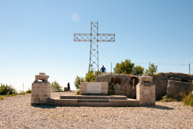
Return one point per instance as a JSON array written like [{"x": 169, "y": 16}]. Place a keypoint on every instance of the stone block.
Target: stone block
[
  {"x": 37, "y": 91},
  {"x": 145, "y": 79},
  {"x": 43, "y": 95},
  {"x": 46, "y": 91},
  {"x": 35, "y": 100},
  {"x": 94, "y": 87},
  {"x": 35, "y": 95},
  {"x": 73, "y": 102},
  {"x": 145, "y": 92},
  {"x": 43, "y": 100},
  {"x": 178, "y": 89},
  {"x": 42, "y": 76}
]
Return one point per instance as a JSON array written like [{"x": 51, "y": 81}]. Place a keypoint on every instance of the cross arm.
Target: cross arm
[
  {"x": 82, "y": 37},
  {"x": 106, "y": 37}
]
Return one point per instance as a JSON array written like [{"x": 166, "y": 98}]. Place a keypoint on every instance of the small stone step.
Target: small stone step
[
  {"x": 94, "y": 104},
  {"x": 93, "y": 100},
  {"x": 94, "y": 97}
]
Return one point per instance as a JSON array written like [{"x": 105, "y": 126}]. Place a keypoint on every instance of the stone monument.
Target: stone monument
[
  {"x": 40, "y": 89},
  {"x": 146, "y": 91}
]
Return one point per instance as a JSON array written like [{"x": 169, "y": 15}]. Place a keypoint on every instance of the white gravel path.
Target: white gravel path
[{"x": 17, "y": 113}]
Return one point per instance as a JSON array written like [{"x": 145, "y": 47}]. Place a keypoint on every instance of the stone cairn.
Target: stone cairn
[
  {"x": 146, "y": 91},
  {"x": 40, "y": 89}
]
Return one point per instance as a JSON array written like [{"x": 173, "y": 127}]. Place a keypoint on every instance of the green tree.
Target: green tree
[
  {"x": 55, "y": 86},
  {"x": 77, "y": 81},
  {"x": 91, "y": 76},
  {"x": 138, "y": 70},
  {"x": 125, "y": 67},
  {"x": 152, "y": 70}
]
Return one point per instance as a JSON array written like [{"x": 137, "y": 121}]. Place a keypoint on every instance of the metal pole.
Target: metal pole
[
  {"x": 189, "y": 68},
  {"x": 90, "y": 67},
  {"x": 23, "y": 87},
  {"x": 111, "y": 67}
]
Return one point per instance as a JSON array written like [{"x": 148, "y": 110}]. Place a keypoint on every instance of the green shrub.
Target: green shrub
[
  {"x": 78, "y": 92},
  {"x": 91, "y": 76},
  {"x": 188, "y": 100},
  {"x": 28, "y": 91},
  {"x": 166, "y": 99},
  {"x": 11, "y": 95},
  {"x": 2, "y": 98},
  {"x": 22, "y": 93},
  {"x": 77, "y": 81},
  {"x": 55, "y": 86},
  {"x": 7, "y": 89}
]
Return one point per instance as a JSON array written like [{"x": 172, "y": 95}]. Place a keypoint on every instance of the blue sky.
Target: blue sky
[{"x": 37, "y": 36}]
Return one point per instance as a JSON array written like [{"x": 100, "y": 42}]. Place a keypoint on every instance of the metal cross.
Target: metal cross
[{"x": 94, "y": 37}]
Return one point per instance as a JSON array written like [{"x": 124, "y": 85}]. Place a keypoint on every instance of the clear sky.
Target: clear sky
[{"x": 37, "y": 36}]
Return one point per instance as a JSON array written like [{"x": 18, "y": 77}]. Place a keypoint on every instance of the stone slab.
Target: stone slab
[
  {"x": 96, "y": 101},
  {"x": 93, "y": 88}
]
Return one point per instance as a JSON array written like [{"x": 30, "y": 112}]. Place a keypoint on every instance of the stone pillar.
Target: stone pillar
[
  {"x": 40, "y": 90},
  {"x": 145, "y": 91}
]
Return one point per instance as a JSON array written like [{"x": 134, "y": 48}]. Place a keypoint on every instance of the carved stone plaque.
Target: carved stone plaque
[{"x": 94, "y": 88}]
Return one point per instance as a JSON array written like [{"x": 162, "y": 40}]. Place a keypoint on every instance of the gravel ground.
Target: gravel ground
[{"x": 16, "y": 112}]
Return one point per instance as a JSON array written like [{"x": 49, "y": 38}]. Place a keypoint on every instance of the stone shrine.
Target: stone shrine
[{"x": 93, "y": 94}]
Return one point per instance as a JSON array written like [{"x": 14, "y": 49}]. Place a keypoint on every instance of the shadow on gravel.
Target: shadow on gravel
[
  {"x": 161, "y": 107},
  {"x": 43, "y": 106}
]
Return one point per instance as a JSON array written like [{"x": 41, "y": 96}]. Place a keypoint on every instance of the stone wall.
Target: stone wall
[
  {"x": 163, "y": 83},
  {"x": 120, "y": 84},
  {"x": 178, "y": 89},
  {"x": 160, "y": 81}
]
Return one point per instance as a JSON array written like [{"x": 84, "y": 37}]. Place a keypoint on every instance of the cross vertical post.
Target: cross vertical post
[{"x": 94, "y": 37}]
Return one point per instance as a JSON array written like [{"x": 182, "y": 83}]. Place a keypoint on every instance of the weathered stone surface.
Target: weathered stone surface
[
  {"x": 161, "y": 82},
  {"x": 42, "y": 76},
  {"x": 175, "y": 78},
  {"x": 120, "y": 84},
  {"x": 94, "y": 87},
  {"x": 146, "y": 91},
  {"x": 178, "y": 89},
  {"x": 145, "y": 79},
  {"x": 184, "y": 77},
  {"x": 40, "y": 90}
]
